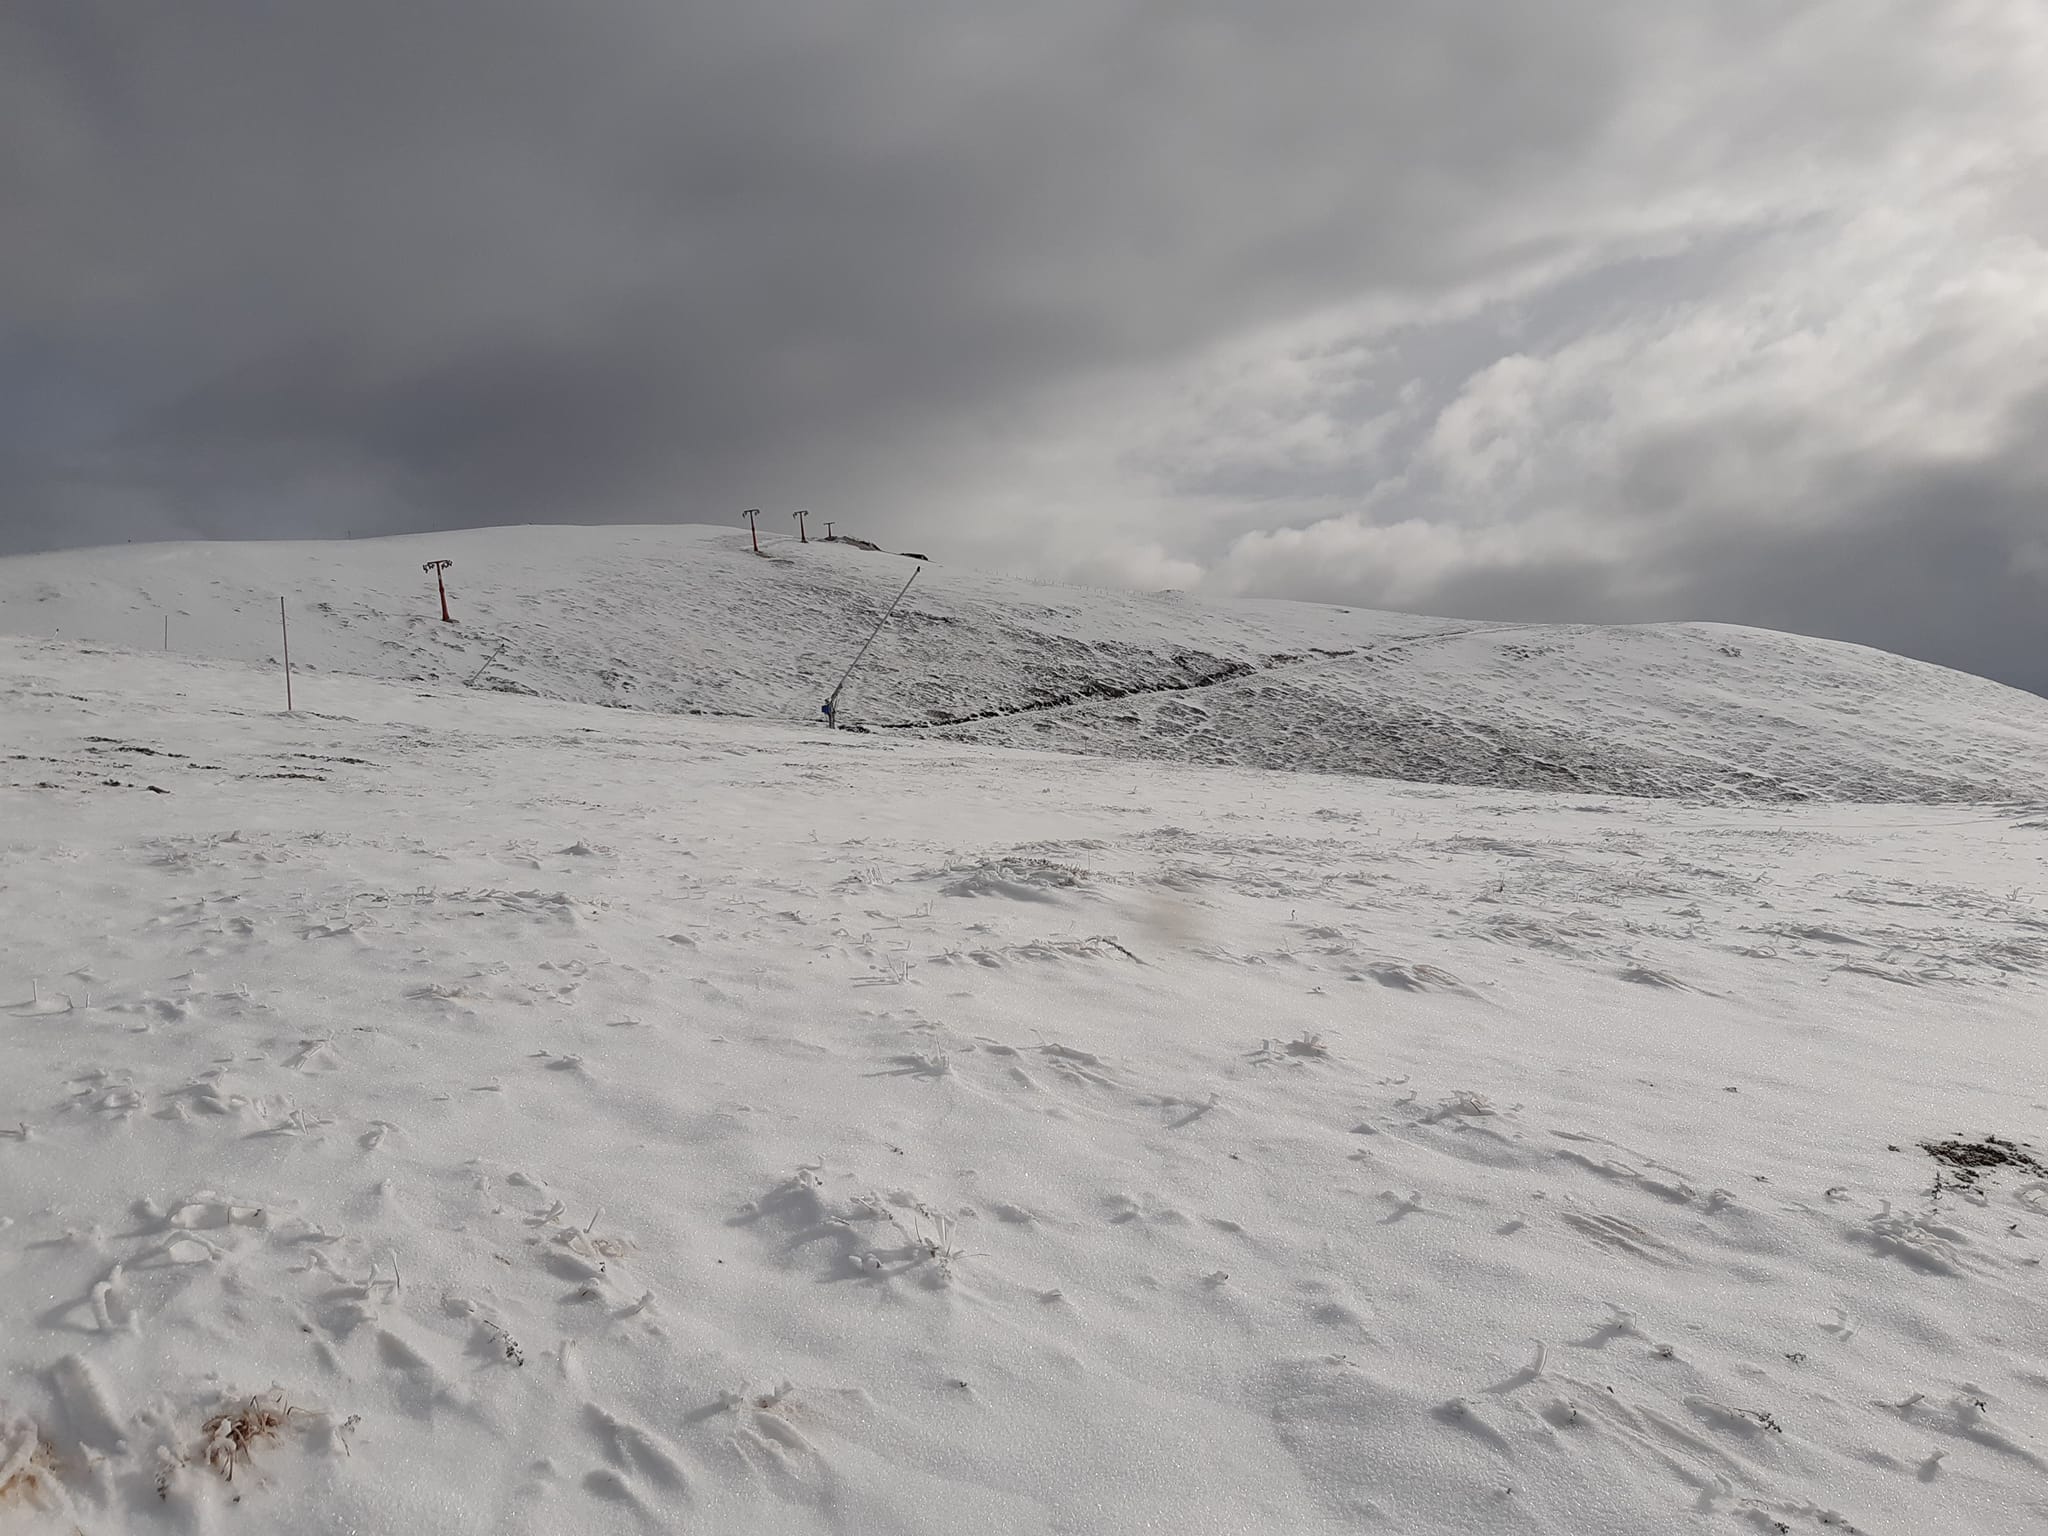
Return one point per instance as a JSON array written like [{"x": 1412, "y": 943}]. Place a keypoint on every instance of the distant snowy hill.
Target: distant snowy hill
[{"x": 689, "y": 620}]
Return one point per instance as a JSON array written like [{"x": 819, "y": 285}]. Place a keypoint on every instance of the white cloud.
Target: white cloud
[{"x": 1740, "y": 357}]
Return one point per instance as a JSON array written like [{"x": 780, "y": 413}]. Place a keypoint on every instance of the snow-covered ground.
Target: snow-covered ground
[
  {"x": 532, "y": 1117},
  {"x": 688, "y": 619}
]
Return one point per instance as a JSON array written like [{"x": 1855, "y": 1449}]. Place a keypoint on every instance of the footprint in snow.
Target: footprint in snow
[{"x": 631, "y": 1448}]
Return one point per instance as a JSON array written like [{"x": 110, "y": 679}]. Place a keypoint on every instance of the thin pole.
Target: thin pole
[
  {"x": 167, "y": 631},
  {"x": 480, "y": 671},
  {"x": 832, "y": 700},
  {"x": 750, "y": 514},
  {"x": 281, "y": 624}
]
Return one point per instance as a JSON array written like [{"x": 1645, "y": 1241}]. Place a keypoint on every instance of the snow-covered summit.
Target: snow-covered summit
[{"x": 689, "y": 620}]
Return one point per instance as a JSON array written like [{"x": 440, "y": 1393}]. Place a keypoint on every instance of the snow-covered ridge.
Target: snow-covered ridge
[{"x": 689, "y": 620}]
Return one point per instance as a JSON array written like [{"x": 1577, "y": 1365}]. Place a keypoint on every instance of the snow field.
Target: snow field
[{"x": 609, "y": 1121}]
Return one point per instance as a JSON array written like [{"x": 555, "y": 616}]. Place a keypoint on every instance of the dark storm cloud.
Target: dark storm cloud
[
  {"x": 293, "y": 268},
  {"x": 1945, "y": 561},
  {"x": 525, "y": 260}
]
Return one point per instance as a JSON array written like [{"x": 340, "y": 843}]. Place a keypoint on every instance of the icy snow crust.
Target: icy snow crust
[
  {"x": 688, "y": 620},
  {"x": 453, "y": 1110}
]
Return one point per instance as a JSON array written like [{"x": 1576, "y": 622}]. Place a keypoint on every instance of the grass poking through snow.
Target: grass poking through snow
[{"x": 230, "y": 1439}]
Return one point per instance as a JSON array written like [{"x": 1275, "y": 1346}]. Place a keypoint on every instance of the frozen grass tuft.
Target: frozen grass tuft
[
  {"x": 28, "y": 1466},
  {"x": 230, "y": 1439}
]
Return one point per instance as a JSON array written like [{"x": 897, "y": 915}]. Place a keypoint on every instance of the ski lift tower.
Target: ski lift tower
[{"x": 437, "y": 567}]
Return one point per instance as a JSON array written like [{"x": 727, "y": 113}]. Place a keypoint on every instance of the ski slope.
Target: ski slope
[{"x": 689, "y": 620}]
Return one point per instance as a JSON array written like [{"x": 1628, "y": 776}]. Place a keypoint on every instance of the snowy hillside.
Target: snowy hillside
[
  {"x": 689, "y": 620},
  {"x": 446, "y": 1111}
]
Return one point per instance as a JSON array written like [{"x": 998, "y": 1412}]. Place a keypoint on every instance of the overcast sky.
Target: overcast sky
[{"x": 1576, "y": 309}]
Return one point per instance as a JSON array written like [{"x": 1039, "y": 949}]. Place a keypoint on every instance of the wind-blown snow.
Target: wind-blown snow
[
  {"x": 588, "y": 1120},
  {"x": 687, "y": 619}
]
